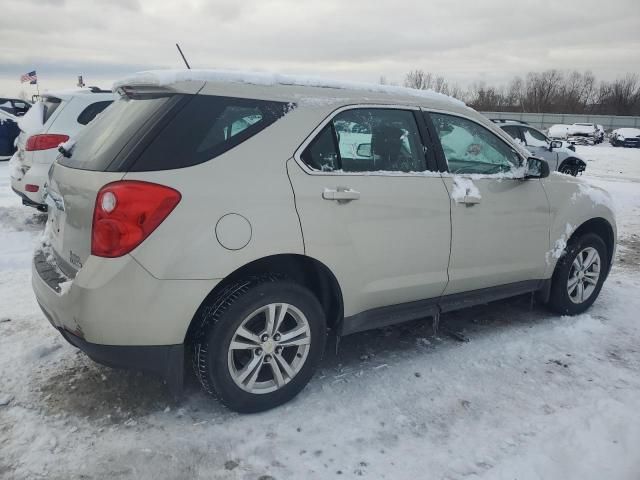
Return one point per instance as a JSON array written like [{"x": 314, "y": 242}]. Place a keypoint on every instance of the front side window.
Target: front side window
[
  {"x": 471, "y": 148},
  {"x": 534, "y": 138},
  {"x": 368, "y": 140}
]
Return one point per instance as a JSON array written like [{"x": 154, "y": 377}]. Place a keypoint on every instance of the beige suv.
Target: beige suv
[{"x": 237, "y": 218}]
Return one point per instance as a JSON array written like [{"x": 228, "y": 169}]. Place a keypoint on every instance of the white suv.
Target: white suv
[
  {"x": 50, "y": 122},
  {"x": 237, "y": 218}
]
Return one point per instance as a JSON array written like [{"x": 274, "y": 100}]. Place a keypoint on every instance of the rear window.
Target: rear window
[
  {"x": 91, "y": 111},
  {"x": 163, "y": 132},
  {"x": 99, "y": 144},
  {"x": 51, "y": 104}
]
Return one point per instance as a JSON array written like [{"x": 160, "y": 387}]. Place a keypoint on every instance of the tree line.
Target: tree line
[{"x": 551, "y": 91}]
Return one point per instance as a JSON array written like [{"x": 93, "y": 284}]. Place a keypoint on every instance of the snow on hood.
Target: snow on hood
[
  {"x": 162, "y": 78},
  {"x": 31, "y": 122}
]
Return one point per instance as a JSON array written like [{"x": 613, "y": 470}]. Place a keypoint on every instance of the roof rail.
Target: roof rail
[{"x": 98, "y": 90}]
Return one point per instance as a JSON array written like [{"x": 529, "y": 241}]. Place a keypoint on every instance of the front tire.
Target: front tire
[
  {"x": 259, "y": 343},
  {"x": 568, "y": 169},
  {"x": 579, "y": 275}
]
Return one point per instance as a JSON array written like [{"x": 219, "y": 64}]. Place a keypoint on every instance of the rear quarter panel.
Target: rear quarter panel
[{"x": 250, "y": 180}]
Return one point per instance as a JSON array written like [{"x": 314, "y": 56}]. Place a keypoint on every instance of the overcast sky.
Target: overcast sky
[{"x": 467, "y": 41}]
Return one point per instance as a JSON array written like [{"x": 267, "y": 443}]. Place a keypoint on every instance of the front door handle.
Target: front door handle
[
  {"x": 470, "y": 200},
  {"x": 340, "y": 194}
]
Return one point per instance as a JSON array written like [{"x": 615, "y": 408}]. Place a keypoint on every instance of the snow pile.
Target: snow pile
[
  {"x": 463, "y": 187},
  {"x": 162, "y": 78},
  {"x": 31, "y": 122},
  {"x": 560, "y": 245}
]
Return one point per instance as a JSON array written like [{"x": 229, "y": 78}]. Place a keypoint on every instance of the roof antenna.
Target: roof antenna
[{"x": 182, "y": 55}]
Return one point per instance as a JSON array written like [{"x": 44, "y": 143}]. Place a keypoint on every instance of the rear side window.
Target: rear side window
[
  {"x": 368, "y": 140},
  {"x": 51, "y": 104},
  {"x": 206, "y": 127},
  {"x": 91, "y": 111},
  {"x": 513, "y": 131}
]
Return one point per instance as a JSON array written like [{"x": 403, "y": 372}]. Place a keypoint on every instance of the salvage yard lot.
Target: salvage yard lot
[{"x": 532, "y": 395}]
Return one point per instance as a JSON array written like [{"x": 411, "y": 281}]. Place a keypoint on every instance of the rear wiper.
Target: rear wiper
[{"x": 66, "y": 148}]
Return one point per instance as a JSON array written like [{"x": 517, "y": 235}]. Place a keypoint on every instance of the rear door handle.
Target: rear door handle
[{"x": 340, "y": 194}]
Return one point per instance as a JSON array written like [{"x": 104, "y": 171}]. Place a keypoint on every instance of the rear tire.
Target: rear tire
[
  {"x": 245, "y": 361},
  {"x": 579, "y": 275}
]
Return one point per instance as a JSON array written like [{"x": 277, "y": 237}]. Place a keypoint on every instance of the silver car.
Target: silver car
[
  {"x": 233, "y": 219},
  {"x": 559, "y": 156}
]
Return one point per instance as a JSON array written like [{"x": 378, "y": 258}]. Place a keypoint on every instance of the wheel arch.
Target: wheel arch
[
  {"x": 598, "y": 225},
  {"x": 603, "y": 229},
  {"x": 302, "y": 269},
  {"x": 573, "y": 161}
]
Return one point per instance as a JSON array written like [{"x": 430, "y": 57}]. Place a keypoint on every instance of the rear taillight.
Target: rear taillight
[
  {"x": 30, "y": 187},
  {"x": 126, "y": 212},
  {"x": 45, "y": 141}
]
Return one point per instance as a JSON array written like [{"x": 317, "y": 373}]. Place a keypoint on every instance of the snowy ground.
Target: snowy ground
[{"x": 531, "y": 396}]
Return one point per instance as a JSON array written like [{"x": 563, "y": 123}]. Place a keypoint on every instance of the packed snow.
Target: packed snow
[
  {"x": 531, "y": 396},
  {"x": 463, "y": 187},
  {"x": 167, "y": 77}
]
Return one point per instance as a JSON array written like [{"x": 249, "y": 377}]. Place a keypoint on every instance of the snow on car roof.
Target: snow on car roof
[
  {"x": 161, "y": 78},
  {"x": 628, "y": 131}
]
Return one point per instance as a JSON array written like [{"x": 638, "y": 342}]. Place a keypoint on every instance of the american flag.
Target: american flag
[{"x": 30, "y": 77}]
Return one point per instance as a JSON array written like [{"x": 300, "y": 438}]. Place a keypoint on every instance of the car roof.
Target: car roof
[{"x": 275, "y": 86}]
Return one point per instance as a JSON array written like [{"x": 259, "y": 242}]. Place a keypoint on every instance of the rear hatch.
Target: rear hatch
[{"x": 98, "y": 156}]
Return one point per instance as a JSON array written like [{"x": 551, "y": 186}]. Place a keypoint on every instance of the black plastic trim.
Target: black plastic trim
[
  {"x": 27, "y": 202},
  {"x": 390, "y": 315},
  {"x": 166, "y": 361}
]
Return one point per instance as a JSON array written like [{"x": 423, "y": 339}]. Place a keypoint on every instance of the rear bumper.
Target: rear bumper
[
  {"x": 116, "y": 302},
  {"x": 166, "y": 361},
  {"x": 36, "y": 175},
  {"x": 26, "y": 201}
]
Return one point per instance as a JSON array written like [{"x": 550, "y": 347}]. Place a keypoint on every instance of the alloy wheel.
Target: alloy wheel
[
  {"x": 584, "y": 275},
  {"x": 269, "y": 348}
]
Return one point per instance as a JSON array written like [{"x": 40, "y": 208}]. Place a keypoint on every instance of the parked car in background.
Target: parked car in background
[
  {"x": 53, "y": 120},
  {"x": 625, "y": 137},
  {"x": 8, "y": 133},
  {"x": 219, "y": 215},
  {"x": 559, "y": 132},
  {"x": 15, "y": 106},
  {"x": 583, "y": 134},
  {"x": 559, "y": 156},
  {"x": 600, "y": 133}
]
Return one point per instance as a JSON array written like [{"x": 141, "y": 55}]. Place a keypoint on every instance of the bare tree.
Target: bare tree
[{"x": 551, "y": 91}]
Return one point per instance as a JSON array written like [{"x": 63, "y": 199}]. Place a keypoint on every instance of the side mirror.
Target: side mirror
[
  {"x": 364, "y": 150},
  {"x": 555, "y": 144},
  {"x": 537, "y": 168}
]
